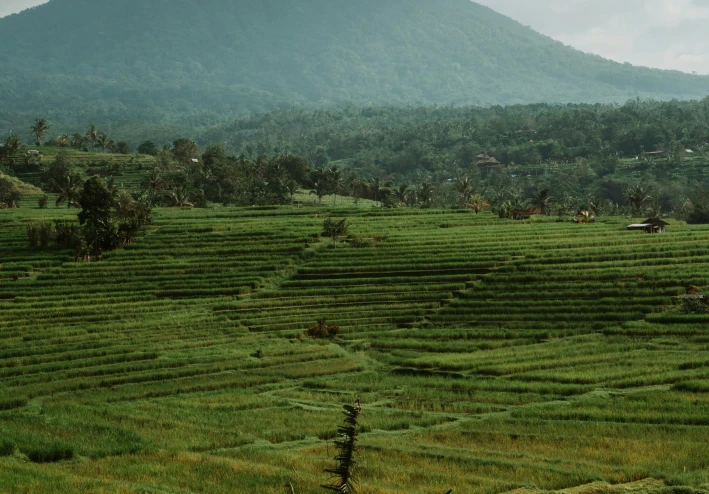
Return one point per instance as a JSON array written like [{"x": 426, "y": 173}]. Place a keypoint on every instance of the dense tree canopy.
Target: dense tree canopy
[{"x": 161, "y": 68}]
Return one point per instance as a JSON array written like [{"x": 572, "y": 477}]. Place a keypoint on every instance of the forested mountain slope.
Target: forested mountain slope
[{"x": 185, "y": 63}]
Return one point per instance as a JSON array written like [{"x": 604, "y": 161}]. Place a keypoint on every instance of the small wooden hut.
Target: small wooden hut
[{"x": 651, "y": 225}]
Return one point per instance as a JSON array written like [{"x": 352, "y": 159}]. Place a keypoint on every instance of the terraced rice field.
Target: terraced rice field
[
  {"x": 128, "y": 170},
  {"x": 489, "y": 355}
]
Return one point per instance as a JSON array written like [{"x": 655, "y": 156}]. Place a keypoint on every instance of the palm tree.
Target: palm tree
[
  {"x": 425, "y": 194},
  {"x": 78, "y": 141},
  {"x": 333, "y": 176},
  {"x": 153, "y": 185},
  {"x": 595, "y": 205},
  {"x": 13, "y": 145},
  {"x": 378, "y": 190},
  {"x": 320, "y": 188},
  {"x": 465, "y": 188},
  {"x": 352, "y": 184},
  {"x": 102, "y": 141},
  {"x": 542, "y": 200},
  {"x": 68, "y": 188},
  {"x": 180, "y": 194},
  {"x": 91, "y": 135},
  {"x": 125, "y": 203},
  {"x": 639, "y": 197},
  {"x": 39, "y": 129},
  {"x": 293, "y": 188},
  {"x": 402, "y": 194},
  {"x": 63, "y": 141},
  {"x": 112, "y": 186},
  {"x": 477, "y": 203}
]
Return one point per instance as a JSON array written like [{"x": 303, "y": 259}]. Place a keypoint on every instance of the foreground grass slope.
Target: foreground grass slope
[{"x": 490, "y": 355}]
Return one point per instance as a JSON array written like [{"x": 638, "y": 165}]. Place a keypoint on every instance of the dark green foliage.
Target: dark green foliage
[
  {"x": 123, "y": 148},
  {"x": 68, "y": 234},
  {"x": 39, "y": 130},
  {"x": 42, "y": 202},
  {"x": 12, "y": 403},
  {"x": 344, "y": 471},
  {"x": 41, "y": 234},
  {"x": 96, "y": 216},
  {"x": 149, "y": 148},
  {"x": 7, "y": 448},
  {"x": 148, "y": 72},
  {"x": 335, "y": 229},
  {"x": 10, "y": 148},
  {"x": 444, "y": 141},
  {"x": 9, "y": 195},
  {"x": 699, "y": 215},
  {"x": 695, "y": 305},
  {"x": 109, "y": 221},
  {"x": 50, "y": 452},
  {"x": 218, "y": 177},
  {"x": 543, "y": 201},
  {"x": 323, "y": 330},
  {"x": 184, "y": 151}
]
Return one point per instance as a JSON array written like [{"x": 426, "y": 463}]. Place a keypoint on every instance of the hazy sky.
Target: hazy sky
[{"x": 669, "y": 34}]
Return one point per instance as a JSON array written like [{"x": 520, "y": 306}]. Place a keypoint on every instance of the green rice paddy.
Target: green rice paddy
[{"x": 489, "y": 355}]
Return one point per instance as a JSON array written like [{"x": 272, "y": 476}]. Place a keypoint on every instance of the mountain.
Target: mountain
[{"x": 135, "y": 64}]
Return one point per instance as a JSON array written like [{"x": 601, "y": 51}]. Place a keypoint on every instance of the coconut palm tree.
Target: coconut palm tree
[
  {"x": 542, "y": 200},
  {"x": 320, "y": 188},
  {"x": 477, "y": 203},
  {"x": 39, "y": 129},
  {"x": 425, "y": 194},
  {"x": 402, "y": 194},
  {"x": 91, "y": 136},
  {"x": 180, "y": 194},
  {"x": 465, "y": 188},
  {"x": 69, "y": 188},
  {"x": 13, "y": 145},
  {"x": 639, "y": 197},
  {"x": 78, "y": 141},
  {"x": 152, "y": 186},
  {"x": 293, "y": 188},
  {"x": 63, "y": 141},
  {"x": 333, "y": 177},
  {"x": 378, "y": 190},
  {"x": 102, "y": 141}
]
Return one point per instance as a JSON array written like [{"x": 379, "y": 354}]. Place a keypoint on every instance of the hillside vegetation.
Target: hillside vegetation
[
  {"x": 489, "y": 354},
  {"x": 184, "y": 65}
]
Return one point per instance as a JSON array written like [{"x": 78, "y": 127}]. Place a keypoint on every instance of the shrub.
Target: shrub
[
  {"x": 7, "y": 447},
  {"x": 11, "y": 403},
  {"x": 359, "y": 243},
  {"x": 33, "y": 234},
  {"x": 41, "y": 234},
  {"x": 695, "y": 305},
  {"x": 43, "y": 202},
  {"x": 49, "y": 452},
  {"x": 323, "y": 331},
  {"x": 68, "y": 234}
]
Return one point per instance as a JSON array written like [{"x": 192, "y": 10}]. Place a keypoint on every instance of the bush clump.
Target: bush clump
[
  {"x": 695, "y": 304},
  {"x": 49, "y": 452},
  {"x": 41, "y": 234},
  {"x": 12, "y": 403},
  {"x": 7, "y": 448},
  {"x": 323, "y": 331}
]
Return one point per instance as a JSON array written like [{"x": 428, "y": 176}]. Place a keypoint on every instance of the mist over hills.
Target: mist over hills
[{"x": 165, "y": 65}]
